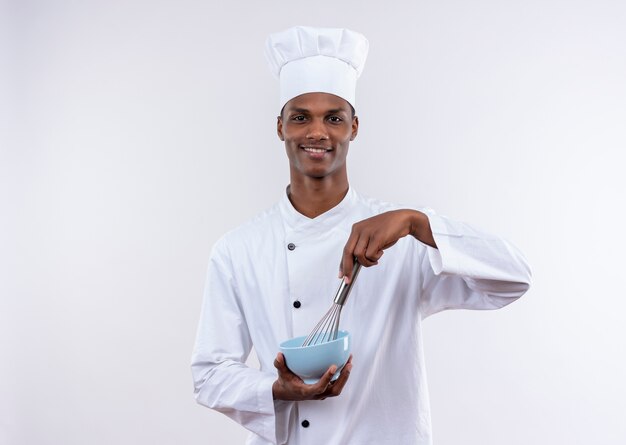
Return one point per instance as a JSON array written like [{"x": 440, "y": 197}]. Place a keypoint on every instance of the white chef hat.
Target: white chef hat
[{"x": 308, "y": 60}]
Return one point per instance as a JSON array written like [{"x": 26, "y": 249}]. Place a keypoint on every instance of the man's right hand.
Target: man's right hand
[{"x": 289, "y": 386}]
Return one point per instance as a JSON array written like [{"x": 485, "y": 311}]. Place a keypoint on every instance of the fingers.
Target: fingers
[
  {"x": 347, "y": 260},
  {"x": 361, "y": 246},
  {"x": 357, "y": 247},
  {"x": 280, "y": 365},
  {"x": 370, "y": 237},
  {"x": 279, "y": 360},
  {"x": 291, "y": 387},
  {"x": 334, "y": 388},
  {"x": 323, "y": 383},
  {"x": 338, "y": 385},
  {"x": 321, "y": 386},
  {"x": 361, "y": 249},
  {"x": 373, "y": 252}
]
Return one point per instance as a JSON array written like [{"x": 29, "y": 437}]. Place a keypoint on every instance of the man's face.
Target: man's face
[{"x": 317, "y": 129}]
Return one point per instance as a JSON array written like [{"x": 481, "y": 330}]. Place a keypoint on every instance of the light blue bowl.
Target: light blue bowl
[{"x": 311, "y": 362}]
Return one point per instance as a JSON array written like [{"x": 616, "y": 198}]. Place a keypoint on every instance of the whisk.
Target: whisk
[{"x": 328, "y": 327}]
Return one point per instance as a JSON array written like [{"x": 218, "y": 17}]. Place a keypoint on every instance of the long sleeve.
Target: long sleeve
[
  {"x": 222, "y": 381},
  {"x": 470, "y": 269}
]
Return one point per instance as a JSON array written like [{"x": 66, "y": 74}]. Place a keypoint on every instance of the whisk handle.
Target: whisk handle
[{"x": 344, "y": 288}]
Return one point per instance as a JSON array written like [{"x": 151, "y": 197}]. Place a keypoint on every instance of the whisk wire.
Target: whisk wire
[{"x": 327, "y": 329}]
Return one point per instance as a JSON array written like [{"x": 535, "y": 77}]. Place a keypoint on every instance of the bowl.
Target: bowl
[{"x": 311, "y": 362}]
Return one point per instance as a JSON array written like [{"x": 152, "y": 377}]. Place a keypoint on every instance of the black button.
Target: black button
[
  {"x": 291, "y": 246},
  {"x": 305, "y": 423},
  {"x": 297, "y": 304}
]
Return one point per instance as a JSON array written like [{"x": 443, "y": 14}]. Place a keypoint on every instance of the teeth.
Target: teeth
[{"x": 314, "y": 150}]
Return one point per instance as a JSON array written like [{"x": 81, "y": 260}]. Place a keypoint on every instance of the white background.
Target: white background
[{"x": 135, "y": 133}]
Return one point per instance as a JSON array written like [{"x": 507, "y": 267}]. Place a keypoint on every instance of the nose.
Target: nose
[{"x": 317, "y": 130}]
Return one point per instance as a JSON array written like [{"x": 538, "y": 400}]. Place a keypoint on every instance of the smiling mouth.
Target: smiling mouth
[{"x": 316, "y": 149}]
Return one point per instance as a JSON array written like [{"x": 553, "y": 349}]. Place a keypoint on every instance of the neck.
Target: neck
[{"x": 312, "y": 197}]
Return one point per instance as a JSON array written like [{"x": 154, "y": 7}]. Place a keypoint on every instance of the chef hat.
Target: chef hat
[{"x": 307, "y": 60}]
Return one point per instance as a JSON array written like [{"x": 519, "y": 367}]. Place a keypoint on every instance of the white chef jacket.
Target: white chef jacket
[{"x": 256, "y": 273}]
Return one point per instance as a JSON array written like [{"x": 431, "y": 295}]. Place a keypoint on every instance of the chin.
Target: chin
[
  {"x": 318, "y": 171},
  {"x": 316, "y": 175},
  {"x": 319, "y": 174}
]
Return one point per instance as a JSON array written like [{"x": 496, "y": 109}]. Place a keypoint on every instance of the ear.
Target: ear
[
  {"x": 279, "y": 128},
  {"x": 355, "y": 127}
]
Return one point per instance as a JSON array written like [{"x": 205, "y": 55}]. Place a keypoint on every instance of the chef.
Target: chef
[{"x": 274, "y": 277}]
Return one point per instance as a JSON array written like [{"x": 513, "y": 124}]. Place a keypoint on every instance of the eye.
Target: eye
[
  {"x": 335, "y": 119},
  {"x": 298, "y": 118}
]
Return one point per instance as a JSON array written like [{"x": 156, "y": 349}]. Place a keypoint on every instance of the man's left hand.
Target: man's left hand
[{"x": 370, "y": 237}]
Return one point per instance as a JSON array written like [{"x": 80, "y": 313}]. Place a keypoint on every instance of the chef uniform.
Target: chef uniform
[{"x": 274, "y": 277}]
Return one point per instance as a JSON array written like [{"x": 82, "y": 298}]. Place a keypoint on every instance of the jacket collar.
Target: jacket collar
[{"x": 296, "y": 221}]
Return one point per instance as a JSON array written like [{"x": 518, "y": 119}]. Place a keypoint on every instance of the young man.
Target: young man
[{"x": 273, "y": 278}]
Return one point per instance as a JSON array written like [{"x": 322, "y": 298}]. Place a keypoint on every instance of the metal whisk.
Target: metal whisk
[{"x": 328, "y": 327}]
